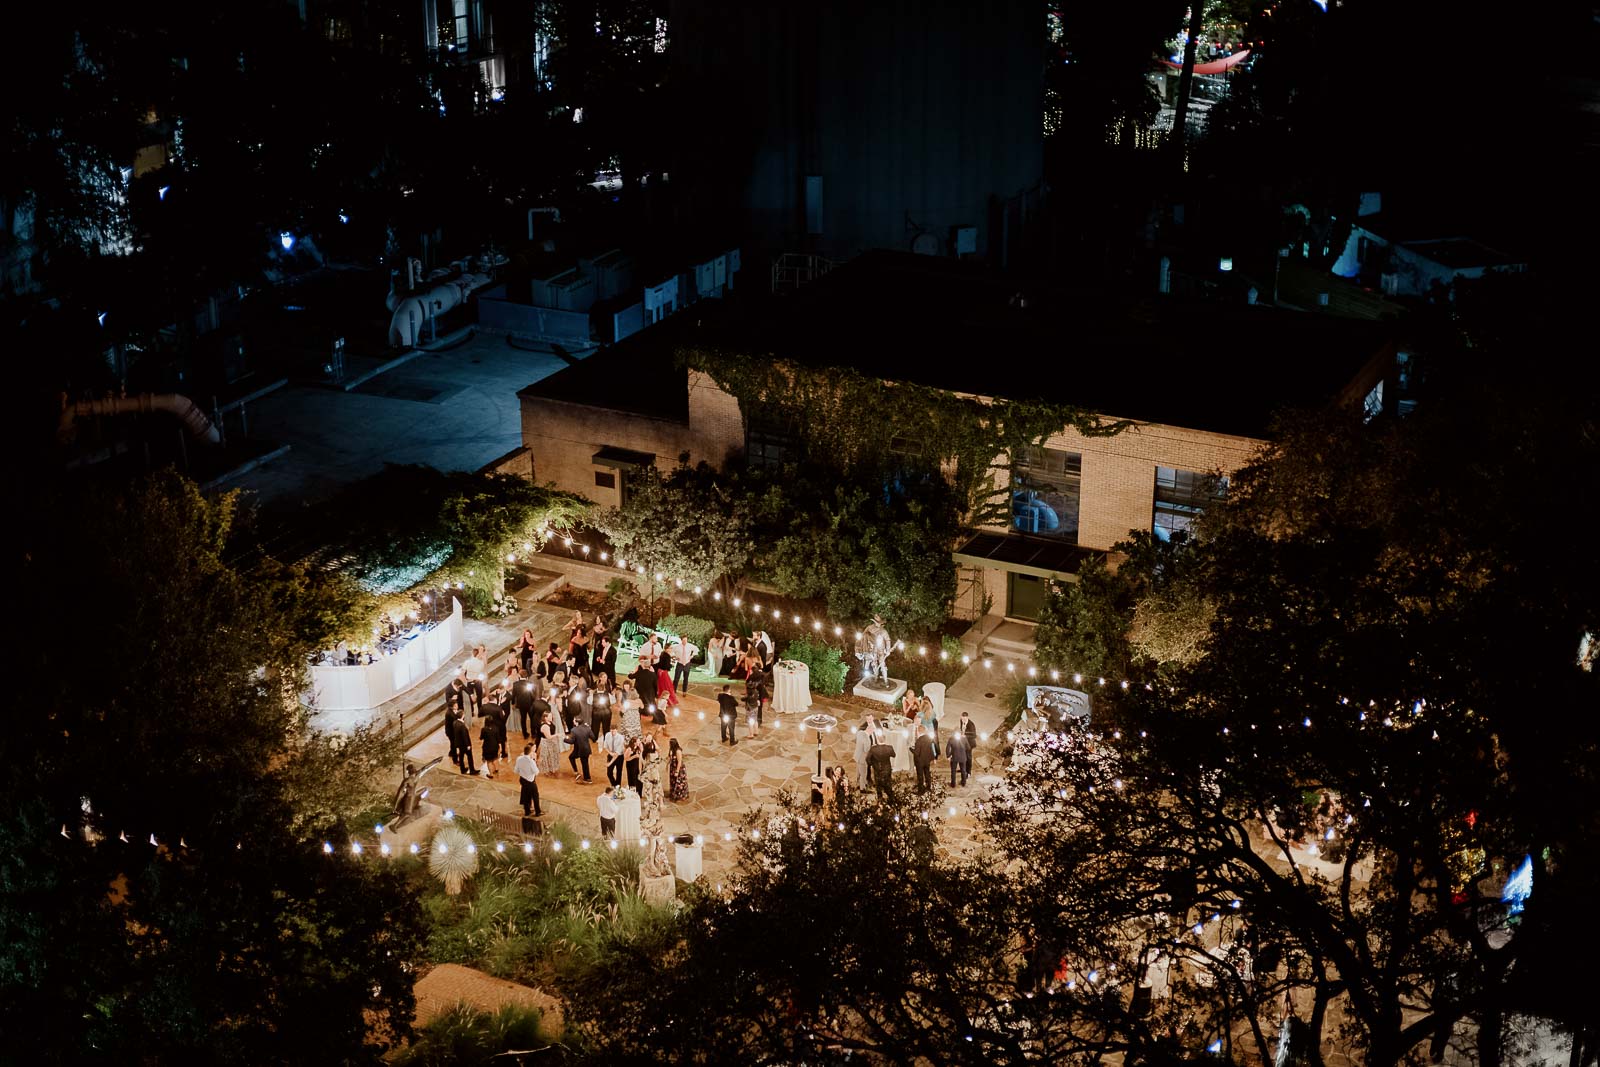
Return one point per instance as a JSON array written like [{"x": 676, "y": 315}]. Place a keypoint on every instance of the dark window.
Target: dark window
[
  {"x": 1045, "y": 485},
  {"x": 768, "y": 443},
  {"x": 1181, "y": 497},
  {"x": 605, "y": 479}
]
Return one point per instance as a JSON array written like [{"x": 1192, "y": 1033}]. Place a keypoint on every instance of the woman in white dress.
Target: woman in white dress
[{"x": 714, "y": 655}]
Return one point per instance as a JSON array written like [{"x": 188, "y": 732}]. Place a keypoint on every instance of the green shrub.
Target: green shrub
[
  {"x": 825, "y": 661},
  {"x": 951, "y": 646},
  {"x": 695, "y": 630},
  {"x": 1014, "y": 698},
  {"x": 463, "y": 1034}
]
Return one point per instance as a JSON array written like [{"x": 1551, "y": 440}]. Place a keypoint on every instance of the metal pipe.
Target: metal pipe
[{"x": 183, "y": 409}]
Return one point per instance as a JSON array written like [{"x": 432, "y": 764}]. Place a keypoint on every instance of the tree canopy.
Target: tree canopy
[{"x": 164, "y": 898}]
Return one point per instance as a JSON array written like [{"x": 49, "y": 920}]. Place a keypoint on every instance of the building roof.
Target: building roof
[
  {"x": 637, "y": 376},
  {"x": 940, "y": 322},
  {"x": 953, "y": 325},
  {"x": 1024, "y": 555},
  {"x": 1460, "y": 253}
]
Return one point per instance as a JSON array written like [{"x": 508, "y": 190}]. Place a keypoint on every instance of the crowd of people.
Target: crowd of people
[{"x": 571, "y": 708}]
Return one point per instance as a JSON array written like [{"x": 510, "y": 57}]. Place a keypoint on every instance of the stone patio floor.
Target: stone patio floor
[{"x": 725, "y": 781}]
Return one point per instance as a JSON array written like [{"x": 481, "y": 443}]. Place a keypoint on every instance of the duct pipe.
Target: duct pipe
[
  {"x": 405, "y": 326},
  {"x": 181, "y": 408},
  {"x": 553, "y": 212}
]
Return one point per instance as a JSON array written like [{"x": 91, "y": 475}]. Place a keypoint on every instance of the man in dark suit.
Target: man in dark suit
[
  {"x": 523, "y": 695},
  {"x": 605, "y": 659},
  {"x": 880, "y": 761},
  {"x": 451, "y": 714},
  {"x": 922, "y": 759},
  {"x": 579, "y": 737},
  {"x": 461, "y": 741},
  {"x": 456, "y": 694},
  {"x": 578, "y": 706},
  {"x": 728, "y": 713},
  {"x": 960, "y": 751}
]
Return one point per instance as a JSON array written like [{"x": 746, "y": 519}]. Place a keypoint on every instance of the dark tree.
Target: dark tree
[{"x": 161, "y": 709}]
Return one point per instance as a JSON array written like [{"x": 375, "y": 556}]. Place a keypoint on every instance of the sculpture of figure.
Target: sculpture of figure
[
  {"x": 407, "y": 800},
  {"x": 872, "y": 649},
  {"x": 655, "y": 862}
]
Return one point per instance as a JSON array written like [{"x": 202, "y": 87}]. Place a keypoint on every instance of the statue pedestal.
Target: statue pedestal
[
  {"x": 892, "y": 695},
  {"x": 419, "y": 830},
  {"x": 657, "y": 889}
]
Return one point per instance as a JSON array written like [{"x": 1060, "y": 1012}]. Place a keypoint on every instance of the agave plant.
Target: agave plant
[{"x": 452, "y": 858}]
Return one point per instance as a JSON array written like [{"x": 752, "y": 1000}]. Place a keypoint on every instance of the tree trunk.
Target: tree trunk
[{"x": 1180, "y": 120}]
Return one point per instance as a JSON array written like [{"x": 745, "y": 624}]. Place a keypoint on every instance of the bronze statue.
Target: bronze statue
[
  {"x": 407, "y": 800},
  {"x": 872, "y": 649}
]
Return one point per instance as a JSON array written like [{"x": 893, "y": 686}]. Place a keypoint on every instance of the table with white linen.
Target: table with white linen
[
  {"x": 792, "y": 688},
  {"x": 628, "y": 818},
  {"x": 420, "y": 653},
  {"x": 688, "y": 861}
]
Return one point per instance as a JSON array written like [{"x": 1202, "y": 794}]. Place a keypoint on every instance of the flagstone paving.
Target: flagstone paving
[{"x": 725, "y": 781}]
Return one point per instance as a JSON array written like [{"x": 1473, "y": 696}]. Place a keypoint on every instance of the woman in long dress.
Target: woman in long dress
[
  {"x": 549, "y": 755},
  {"x": 714, "y": 655},
  {"x": 677, "y": 773}
]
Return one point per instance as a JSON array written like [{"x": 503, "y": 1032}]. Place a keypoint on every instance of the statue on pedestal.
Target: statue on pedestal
[
  {"x": 654, "y": 864},
  {"x": 872, "y": 649},
  {"x": 407, "y": 798}
]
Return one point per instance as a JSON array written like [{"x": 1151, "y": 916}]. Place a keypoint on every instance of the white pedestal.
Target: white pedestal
[
  {"x": 628, "y": 819},
  {"x": 688, "y": 862},
  {"x": 892, "y": 695}
]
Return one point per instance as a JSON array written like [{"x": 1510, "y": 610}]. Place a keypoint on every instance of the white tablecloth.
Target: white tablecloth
[
  {"x": 792, "y": 688},
  {"x": 369, "y": 685},
  {"x": 628, "y": 819},
  {"x": 688, "y": 862}
]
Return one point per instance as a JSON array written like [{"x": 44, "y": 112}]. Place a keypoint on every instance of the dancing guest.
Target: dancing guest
[
  {"x": 677, "y": 772},
  {"x": 527, "y": 648},
  {"x": 528, "y": 779},
  {"x": 461, "y": 744},
  {"x": 612, "y": 746},
  {"x": 578, "y": 704},
  {"x": 549, "y": 747},
  {"x": 651, "y": 650},
  {"x": 714, "y": 655},
  {"x": 578, "y": 649},
  {"x": 493, "y": 736},
  {"x": 606, "y": 804},
  {"x": 628, "y": 699},
  {"x": 601, "y": 702},
  {"x": 550, "y": 664},
  {"x": 665, "y": 693},
  {"x": 605, "y": 658},
  {"x": 579, "y": 740},
  {"x": 682, "y": 656},
  {"x": 930, "y": 720},
  {"x": 523, "y": 695},
  {"x": 728, "y": 716},
  {"x": 631, "y": 753},
  {"x": 644, "y": 680}
]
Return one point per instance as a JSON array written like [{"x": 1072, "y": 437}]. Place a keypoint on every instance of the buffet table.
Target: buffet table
[
  {"x": 417, "y": 655},
  {"x": 791, "y": 691}
]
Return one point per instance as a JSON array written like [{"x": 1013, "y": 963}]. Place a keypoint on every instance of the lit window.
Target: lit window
[
  {"x": 1181, "y": 497},
  {"x": 1045, "y": 491}
]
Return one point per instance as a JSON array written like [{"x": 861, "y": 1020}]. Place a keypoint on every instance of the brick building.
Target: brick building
[{"x": 1199, "y": 384}]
